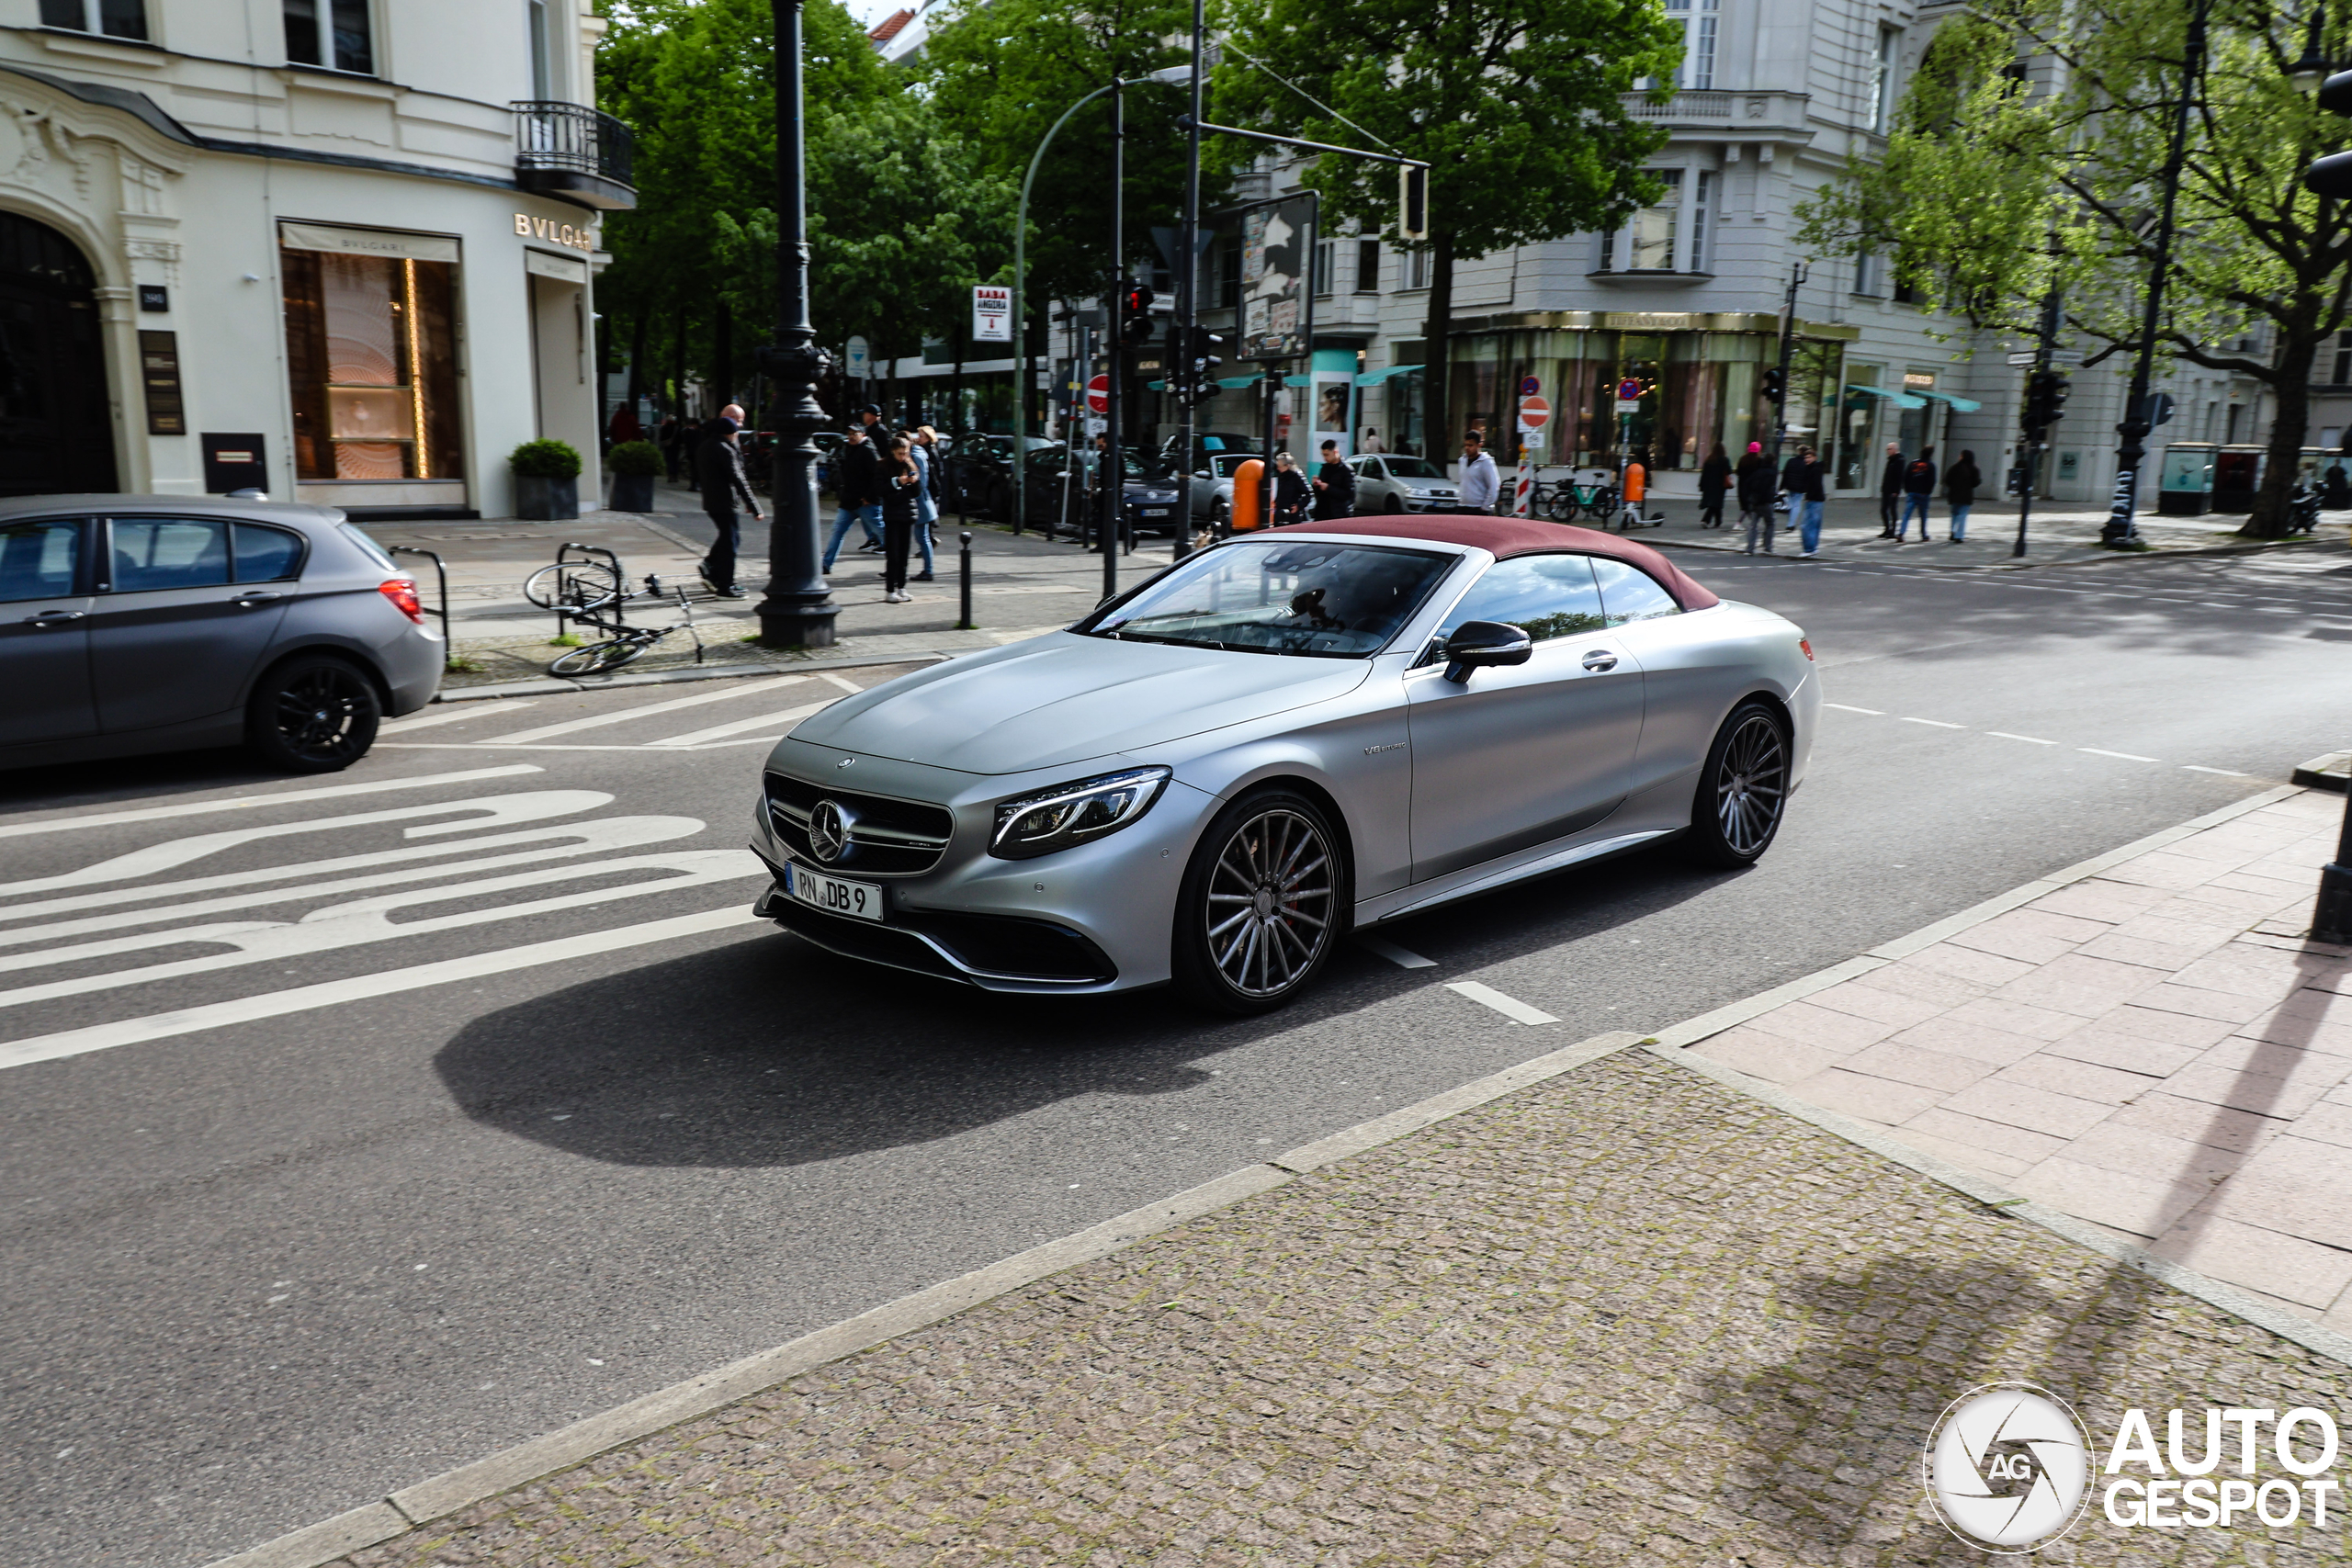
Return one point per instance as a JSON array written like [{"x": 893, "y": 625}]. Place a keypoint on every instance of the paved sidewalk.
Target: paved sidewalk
[
  {"x": 1626, "y": 1317},
  {"x": 2154, "y": 1049}
]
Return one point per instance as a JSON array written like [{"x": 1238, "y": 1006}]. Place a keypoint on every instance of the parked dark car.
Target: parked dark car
[
  {"x": 1207, "y": 445},
  {"x": 1063, "y": 499},
  {"x": 132, "y": 624},
  {"x": 980, "y": 472}
]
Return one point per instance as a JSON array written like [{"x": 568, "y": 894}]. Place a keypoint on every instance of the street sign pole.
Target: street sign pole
[
  {"x": 2043, "y": 349},
  {"x": 1112, "y": 477},
  {"x": 1788, "y": 348},
  {"x": 1187, "y": 304}
]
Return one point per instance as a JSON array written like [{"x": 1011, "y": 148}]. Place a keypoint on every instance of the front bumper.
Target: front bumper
[{"x": 1086, "y": 921}]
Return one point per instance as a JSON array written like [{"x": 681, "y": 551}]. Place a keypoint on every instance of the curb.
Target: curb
[
  {"x": 439, "y": 1496},
  {"x": 2330, "y": 771},
  {"x": 2253, "y": 548},
  {"x": 553, "y": 686}
]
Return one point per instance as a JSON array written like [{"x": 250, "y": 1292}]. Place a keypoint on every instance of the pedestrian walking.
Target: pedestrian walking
[
  {"x": 877, "y": 435},
  {"x": 1335, "y": 486},
  {"x": 857, "y": 486},
  {"x": 1803, "y": 480},
  {"x": 1756, "y": 513},
  {"x": 1918, "y": 490},
  {"x": 665, "y": 436},
  {"x": 623, "y": 426},
  {"x": 923, "y": 447},
  {"x": 720, "y": 472},
  {"x": 1715, "y": 479},
  {"x": 1890, "y": 489},
  {"x": 901, "y": 484},
  {"x": 1370, "y": 441},
  {"x": 2335, "y": 490},
  {"x": 1292, "y": 496},
  {"x": 1481, "y": 481},
  {"x": 1961, "y": 483}
]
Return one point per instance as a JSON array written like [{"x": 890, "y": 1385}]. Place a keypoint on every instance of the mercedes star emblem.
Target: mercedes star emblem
[{"x": 829, "y": 828}]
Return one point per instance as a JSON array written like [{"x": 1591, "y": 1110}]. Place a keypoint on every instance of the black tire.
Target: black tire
[
  {"x": 1264, "y": 903},
  {"x": 596, "y": 657},
  {"x": 314, "y": 714},
  {"x": 1394, "y": 506},
  {"x": 1743, "y": 791}
]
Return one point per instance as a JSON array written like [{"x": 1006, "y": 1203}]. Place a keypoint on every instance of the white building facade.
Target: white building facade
[{"x": 342, "y": 251}]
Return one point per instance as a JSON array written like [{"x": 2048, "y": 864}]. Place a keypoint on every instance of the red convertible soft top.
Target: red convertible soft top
[{"x": 1520, "y": 537}]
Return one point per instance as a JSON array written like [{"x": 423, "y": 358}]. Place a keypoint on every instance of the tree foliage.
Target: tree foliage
[
  {"x": 1523, "y": 109},
  {"x": 2030, "y": 154}
]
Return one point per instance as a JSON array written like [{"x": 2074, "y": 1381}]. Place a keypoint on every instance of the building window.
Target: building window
[
  {"x": 372, "y": 359},
  {"x": 1655, "y": 228},
  {"x": 1367, "y": 267},
  {"x": 1865, "y": 274},
  {"x": 1412, "y": 269},
  {"x": 1322, "y": 264},
  {"x": 1229, "y": 277},
  {"x": 542, "y": 78},
  {"x": 336, "y": 34},
  {"x": 1702, "y": 192},
  {"x": 1882, "y": 104},
  {"x": 114, "y": 19},
  {"x": 2343, "y": 358}
]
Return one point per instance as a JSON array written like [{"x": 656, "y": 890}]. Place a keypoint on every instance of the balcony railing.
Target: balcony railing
[{"x": 573, "y": 149}]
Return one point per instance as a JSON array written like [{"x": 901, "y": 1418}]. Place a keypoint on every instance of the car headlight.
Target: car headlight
[{"x": 1072, "y": 813}]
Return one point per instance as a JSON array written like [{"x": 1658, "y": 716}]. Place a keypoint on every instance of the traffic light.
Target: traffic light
[
  {"x": 1774, "y": 383},
  {"x": 1192, "y": 364},
  {"x": 1413, "y": 202},
  {"x": 2046, "y": 392},
  {"x": 2332, "y": 175},
  {"x": 1134, "y": 315}
]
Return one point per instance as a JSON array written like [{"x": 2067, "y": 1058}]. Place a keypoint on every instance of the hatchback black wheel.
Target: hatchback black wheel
[
  {"x": 1264, "y": 900},
  {"x": 1743, "y": 790},
  {"x": 313, "y": 715}
]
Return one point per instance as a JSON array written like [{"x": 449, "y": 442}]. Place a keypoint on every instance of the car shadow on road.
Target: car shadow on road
[
  {"x": 59, "y": 786},
  {"x": 773, "y": 1051}
]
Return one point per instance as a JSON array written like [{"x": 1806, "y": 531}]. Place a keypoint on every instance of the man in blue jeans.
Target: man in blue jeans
[
  {"x": 857, "y": 484},
  {"x": 1918, "y": 487},
  {"x": 1803, "y": 480}
]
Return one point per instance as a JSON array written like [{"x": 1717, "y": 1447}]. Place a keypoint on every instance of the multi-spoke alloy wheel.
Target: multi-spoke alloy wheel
[
  {"x": 1743, "y": 790},
  {"x": 313, "y": 715},
  {"x": 1262, "y": 903}
]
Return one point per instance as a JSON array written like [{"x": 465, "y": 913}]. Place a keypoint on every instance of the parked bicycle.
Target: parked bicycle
[
  {"x": 587, "y": 592},
  {"x": 1572, "y": 499}
]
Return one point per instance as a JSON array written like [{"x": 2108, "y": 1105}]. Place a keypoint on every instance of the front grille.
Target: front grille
[
  {"x": 887, "y": 836},
  {"x": 1003, "y": 946}
]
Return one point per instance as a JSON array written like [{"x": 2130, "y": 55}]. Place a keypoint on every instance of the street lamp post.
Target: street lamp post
[
  {"x": 797, "y": 610},
  {"x": 1021, "y": 314},
  {"x": 2118, "y": 528}
]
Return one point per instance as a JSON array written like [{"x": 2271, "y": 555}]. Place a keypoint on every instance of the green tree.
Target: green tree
[
  {"x": 1523, "y": 108},
  {"x": 2026, "y": 154}
]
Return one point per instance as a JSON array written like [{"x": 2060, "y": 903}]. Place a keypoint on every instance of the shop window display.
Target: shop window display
[{"x": 371, "y": 359}]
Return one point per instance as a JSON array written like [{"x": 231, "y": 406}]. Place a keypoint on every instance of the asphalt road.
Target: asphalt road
[{"x": 268, "y": 1263}]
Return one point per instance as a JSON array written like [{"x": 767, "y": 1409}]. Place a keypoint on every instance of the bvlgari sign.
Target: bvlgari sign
[{"x": 550, "y": 231}]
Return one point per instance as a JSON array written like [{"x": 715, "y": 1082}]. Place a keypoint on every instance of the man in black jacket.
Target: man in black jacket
[
  {"x": 719, "y": 465},
  {"x": 857, "y": 485},
  {"x": 1890, "y": 489},
  {"x": 1335, "y": 486},
  {"x": 1802, "y": 478}
]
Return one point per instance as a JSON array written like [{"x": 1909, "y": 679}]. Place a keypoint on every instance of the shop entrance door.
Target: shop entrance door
[{"x": 56, "y": 431}]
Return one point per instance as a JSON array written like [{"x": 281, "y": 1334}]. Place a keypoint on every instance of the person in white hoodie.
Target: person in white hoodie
[{"x": 1482, "y": 482}]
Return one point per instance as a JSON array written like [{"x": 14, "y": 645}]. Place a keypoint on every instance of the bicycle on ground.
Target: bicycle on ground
[{"x": 588, "y": 592}]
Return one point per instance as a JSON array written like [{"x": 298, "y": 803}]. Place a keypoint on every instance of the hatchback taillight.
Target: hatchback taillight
[{"x": 401, "y": 591}]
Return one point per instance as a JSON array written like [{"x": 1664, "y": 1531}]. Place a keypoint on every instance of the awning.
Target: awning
[
  {"x": 1374, "y": 377},
  {"x": 1900, "y": 399},
  {"x": 1959, "y": 405}
]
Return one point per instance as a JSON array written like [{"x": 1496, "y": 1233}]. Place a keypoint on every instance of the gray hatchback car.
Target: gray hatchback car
[{"x": 132, "y": 624}]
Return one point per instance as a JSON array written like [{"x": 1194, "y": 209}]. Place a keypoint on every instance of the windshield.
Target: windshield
[
  {"x": 1316, "y": 601},
  {"x": 1227, "y": 463},
  {"x": 1413, "y": 468}
]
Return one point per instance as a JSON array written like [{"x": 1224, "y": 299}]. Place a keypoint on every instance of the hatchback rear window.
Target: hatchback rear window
[
  {"x": 374, "y": 551},
  {"x": 266, "y": 555}
]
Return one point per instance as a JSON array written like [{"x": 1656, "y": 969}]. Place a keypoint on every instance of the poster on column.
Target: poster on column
[
  {"x": 1277, "y": 252},
  {"x": 1334, "y": 392}
]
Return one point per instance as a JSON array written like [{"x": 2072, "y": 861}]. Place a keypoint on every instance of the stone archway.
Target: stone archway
[{"x": 56, "y": 432}]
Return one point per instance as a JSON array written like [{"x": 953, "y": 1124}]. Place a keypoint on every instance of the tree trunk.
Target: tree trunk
[
  {"x": 1437, "y": 328},
  {"x": 722, "y": 355},
  {"x": 2281, "y": 464},
  {"x": 636, "y": 355},
  {"x": 678, "y": 363}
]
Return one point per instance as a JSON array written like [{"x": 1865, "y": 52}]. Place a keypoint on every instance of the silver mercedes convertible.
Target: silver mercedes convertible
[{"x": 1215, "y": 776}]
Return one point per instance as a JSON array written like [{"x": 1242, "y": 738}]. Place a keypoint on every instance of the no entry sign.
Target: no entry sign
[
  {"x": 1098, "y": 394},
  {"x": 1534, "y": 412}
]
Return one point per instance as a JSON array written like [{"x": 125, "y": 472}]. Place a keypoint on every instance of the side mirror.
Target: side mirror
[{"x": 1479, "y": 643}]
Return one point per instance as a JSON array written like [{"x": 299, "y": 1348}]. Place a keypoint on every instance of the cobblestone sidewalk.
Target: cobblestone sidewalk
[
  {"x": 1628, "y": 1316},
  {"x": 2152, "y": 1048}
]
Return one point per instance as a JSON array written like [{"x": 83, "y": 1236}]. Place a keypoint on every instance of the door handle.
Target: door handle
[
  {"x": 249, "y": 600},
  {"x": 1598, "y": 659},
  {"x": 54, "y": 617}
]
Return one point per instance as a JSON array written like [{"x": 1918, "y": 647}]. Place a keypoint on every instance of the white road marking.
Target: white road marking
[
  {"x": 548, "y": 731},
  {"x": 2127, "y": 756},
  {"x": 1938, "y": 723},
  {"x": 370, "y": 919},
  {"x": 1404, "y": 958},
  {"x": 1486, "y": 996},
  {"x": 449, "y": 716},
  {"x": 333, "y": 993},
  {"x": 2029, "y": 739},
  {"x": 478, "y": 747},
  {"x": 843, "y": 681},
  {"x": 2225, "y": 773},
  {"x": 248, "y": 802},
  {"x": 1848, "y": 707},
  {"x": 789, "y": 717}
]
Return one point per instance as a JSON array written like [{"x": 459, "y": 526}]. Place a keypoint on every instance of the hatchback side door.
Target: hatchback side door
[
  {"x": 1519, "y": 755},
  {"x": 174, "y": 636},
  {"x": 45, "y": 631}
]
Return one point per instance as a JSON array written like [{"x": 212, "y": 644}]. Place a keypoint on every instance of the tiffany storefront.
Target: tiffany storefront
[{"x": 1694, "y": 380}]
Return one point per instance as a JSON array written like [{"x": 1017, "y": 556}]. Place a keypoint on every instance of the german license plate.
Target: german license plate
[
  {"x": 1155, "y": 511},
  {"x": 861, "y": 900}
]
